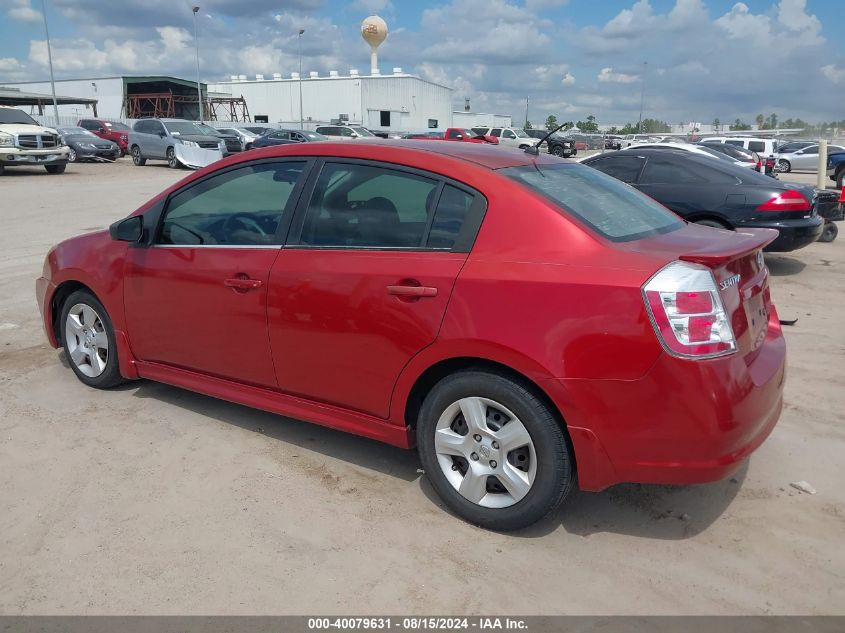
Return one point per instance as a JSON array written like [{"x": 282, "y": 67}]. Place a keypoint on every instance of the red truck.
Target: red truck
[
  {"x": 117, "y": 132},
  {"x": 459, "y": 134}
]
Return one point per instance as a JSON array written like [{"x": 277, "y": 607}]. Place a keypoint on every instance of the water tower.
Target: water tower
[{"x": 374, "y": 32}]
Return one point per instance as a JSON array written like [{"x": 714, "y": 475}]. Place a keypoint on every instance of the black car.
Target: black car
[
  {"x": 557, "y": 145},
  {"x": 613, "y": 142},
  {"x": 286, "y": 137},
  {"x": 84, "y": 145},
  {"x": 718, "y": 194}
]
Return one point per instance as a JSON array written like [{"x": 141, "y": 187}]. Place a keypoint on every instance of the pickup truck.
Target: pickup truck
[
  {"x": 458, "y": 134},
  {"x": 836, "y": 168},
  {"x": 23, "y": 142}
]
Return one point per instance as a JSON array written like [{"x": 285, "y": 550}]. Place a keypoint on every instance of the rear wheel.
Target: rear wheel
[
  {"x": 493, "y": 451},
  {"x": 784, "y": 166},
  {"x": 713, "y": 223},
  {"x": 172, "y": 161},
  {"x": 137, "y": 159},
  {"x": 558, "y": 150},
  {"x": 88, "y": 339},
  {"x": 55, "y": 169},
  {"x": 829, "y": 232}
]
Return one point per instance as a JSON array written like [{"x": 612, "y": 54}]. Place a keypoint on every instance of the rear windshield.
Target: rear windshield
[{"x": 609, "y": 206}]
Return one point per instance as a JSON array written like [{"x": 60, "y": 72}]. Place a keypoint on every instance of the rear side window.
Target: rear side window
[
  {"x": 362, "y": 206},
  {"x": 737, "y": 143},
  {"x": 240, "y": 207},
  {"x": 608, "y": 206},
  {"x": 668, "y": 171},
  {"x": 452, "y": 210},
  {"x": 757, "y": 146},
  {"x": 624, "y": 168},
  {"x": 495, "y": 132}
]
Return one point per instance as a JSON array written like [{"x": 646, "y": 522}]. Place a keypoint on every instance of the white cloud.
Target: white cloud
[
  {"x": 833, "y": 73},
  {"x": 568, "y": 79},
  {"x": 372, "y": 6},
  {"x": 22, "y": 11},
  {"x": 9, "y": 64},
  {"x": 608, "y": 76}
]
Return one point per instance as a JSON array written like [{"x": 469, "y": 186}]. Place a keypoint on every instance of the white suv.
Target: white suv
[
  {"x": 23, "y": 142},
  {"x": 344, "y": 132},
  {"x": 509, "y": 136}
]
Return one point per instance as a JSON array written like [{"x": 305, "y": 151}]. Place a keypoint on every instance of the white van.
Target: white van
[{"x": 763, "y": 146}]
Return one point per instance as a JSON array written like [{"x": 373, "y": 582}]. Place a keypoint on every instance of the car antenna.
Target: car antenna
[{"x": 534, "y": 150}]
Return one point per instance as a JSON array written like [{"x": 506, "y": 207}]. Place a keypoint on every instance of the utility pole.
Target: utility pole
[
  {"x": 642, "y": 99},
  {"x": 527, "y": 99},
  {"x": 299, "y": 44},
  {"x": 50, "y": 60},
  {"x": 196, "y": 9}
]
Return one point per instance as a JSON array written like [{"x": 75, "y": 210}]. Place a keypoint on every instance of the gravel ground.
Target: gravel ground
[{"x": 151, "y": 499}]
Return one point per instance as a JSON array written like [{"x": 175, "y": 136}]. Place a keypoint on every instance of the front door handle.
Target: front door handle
[
  {"x": 412, "y": 291},
  {"x": 242, "y": 283}
]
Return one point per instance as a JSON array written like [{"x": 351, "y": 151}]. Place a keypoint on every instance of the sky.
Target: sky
[{"x": 697, "y": 60}]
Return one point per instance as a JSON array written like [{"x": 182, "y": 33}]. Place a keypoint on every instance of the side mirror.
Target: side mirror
[
  {"x": 460, "y": 137},
  {"x": 162, "y": 134},
  {"x": 128, "y": 230}
]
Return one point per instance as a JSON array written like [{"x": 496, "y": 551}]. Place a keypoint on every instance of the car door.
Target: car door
[
  {"x": 688, "y": 188},
  {"x": 508, "y": 138},
  {"x": 363, "y": 282},
  {"x": 155, "y": 141},
  {"x": 806, "y": 158},
  {"x": 196, "y": 297}
]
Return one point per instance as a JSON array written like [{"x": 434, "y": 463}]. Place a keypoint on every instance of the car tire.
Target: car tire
[
  {"x": 829, "y": 232},
  {"x": 840, "y": 179},
  {"x": 72, "y": 156},
  {"x": 248, "y": 147},
  {"x": 88, "y": 339},
  {"x": 557, "y": 150},
  {"x": 574, "y": 152},
  {"x": 172, "y": 161},
  {"x": 526, "y": 483},
  {"x": 714, "y": 224},
  {"x": 2, "y": 169},
  {"x": 122, "y": 153},
  {"x": 784, "y": 166},
  {"x": 137, "y": 159},
  {"x": 55, "y": 169}
]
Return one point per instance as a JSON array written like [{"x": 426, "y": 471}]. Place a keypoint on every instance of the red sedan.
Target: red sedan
[{"x": 518, "y": 318}]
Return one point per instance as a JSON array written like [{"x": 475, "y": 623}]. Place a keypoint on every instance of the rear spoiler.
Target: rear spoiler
[{"x": 743, "y": 243}]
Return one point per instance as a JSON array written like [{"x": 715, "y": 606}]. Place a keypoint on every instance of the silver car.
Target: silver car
[
  {"x": 246, "y": 133},
  {"x": 804, "y": 159},
  {"x": 177, "y": 141}
]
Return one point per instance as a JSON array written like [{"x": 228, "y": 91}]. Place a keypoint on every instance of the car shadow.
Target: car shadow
[
  {"x": 646, "y": 511},
  {"x": 649, "y": 511},
  {"x": 783, "y": 266},
  {"x": 355, "y": 450}
]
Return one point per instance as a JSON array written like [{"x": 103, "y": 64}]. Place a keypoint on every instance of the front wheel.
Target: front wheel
[
  {"x": 557, "y": 150},
  {"x": 494, "y": 452},
  {"x": 829, "y": 232},
  {"x": 88, "y": 339},
  {"x": 72, "y": 156},
  {"x": 55, "y": 169},
  {"x": 172, "y": 161},
  {"x": 137, "y": 159}
]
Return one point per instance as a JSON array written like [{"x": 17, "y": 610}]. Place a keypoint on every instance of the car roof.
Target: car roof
[{"x": 391, "y": 150}]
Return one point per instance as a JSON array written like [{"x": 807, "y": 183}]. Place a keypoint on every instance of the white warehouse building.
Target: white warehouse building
[{"x": 398, "y": 101}]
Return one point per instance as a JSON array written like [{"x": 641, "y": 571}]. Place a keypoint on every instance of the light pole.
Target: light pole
[
  {"x": 299, "y": 45},
  {"x": 196, "y": 9},
  {"x": 50, "y": 61},
  {"x": 642, "y": 99},
  {"x": 527, "y": 99}
]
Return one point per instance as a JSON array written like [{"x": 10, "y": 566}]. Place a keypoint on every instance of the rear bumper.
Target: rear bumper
[
  {"x": 684, "y": 422},
  {"x": 792, "y": 234}
]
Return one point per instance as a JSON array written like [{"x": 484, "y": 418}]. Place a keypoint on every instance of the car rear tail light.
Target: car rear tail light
[
  {"x": 789, "y": 200},
  {"x": 687, "y": 312},
  {"x": 759, "y": 164}
]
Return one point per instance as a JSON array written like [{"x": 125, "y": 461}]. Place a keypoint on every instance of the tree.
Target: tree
[
  {"x": 527, "y": 125},
  {"x": 761, "y": 120},
  {"x": 551, "y": 122},
  {"x": 717, "y": 124},
  {"x": 589, "y": 125},
  {"x": 772, "y": 121},
  {"x": 739, "y": 125}
]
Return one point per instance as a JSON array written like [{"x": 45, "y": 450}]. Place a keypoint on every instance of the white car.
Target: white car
[
  {"x": 508, "y": 136},
  {"x": 765, "y": 147},
  {"x": 26, "y": 143},
  {"x": 633, "y": 139},
  {"x": 344, "y": 132},
  {"x": 804, "y": 159},
  {"x": 701, "y": 150}
]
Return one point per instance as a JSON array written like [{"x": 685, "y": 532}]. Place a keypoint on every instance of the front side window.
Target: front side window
[
  {"x": 364, "y": 206},
  {"x": 608, "y": 206},
  {"x": 241, "y": 207},
  {"x": 508, "y": 134},
  {"x": 814, "y": 149}
]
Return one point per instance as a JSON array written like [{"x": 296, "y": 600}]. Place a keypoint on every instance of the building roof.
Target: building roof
[
  {"x": 127, "y": 79},
  {"x": 16, "y": 97}
]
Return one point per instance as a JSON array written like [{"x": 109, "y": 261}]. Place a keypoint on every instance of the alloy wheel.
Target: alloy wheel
[
  {"x": 71, "y": 155},
  {"x": 87, "y": 341},
  {"x": 485, "y": 452}
]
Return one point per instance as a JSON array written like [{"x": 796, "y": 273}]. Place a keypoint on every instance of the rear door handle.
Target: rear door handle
[
  {"x": 412, "y": 291},
  {"x": 242, "y": 283}
]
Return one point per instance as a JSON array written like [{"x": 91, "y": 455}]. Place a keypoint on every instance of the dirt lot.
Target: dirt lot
[{"x": 150, "y": 499}]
